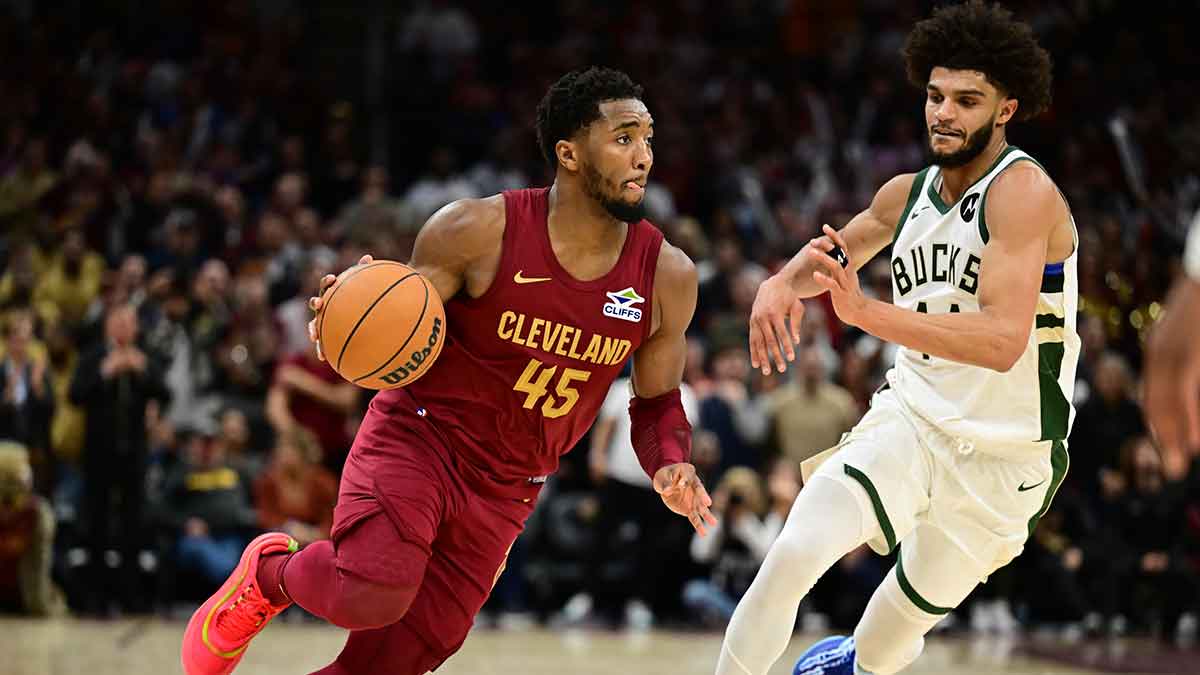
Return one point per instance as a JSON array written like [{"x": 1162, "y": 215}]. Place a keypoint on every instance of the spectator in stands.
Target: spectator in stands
[
  {"x": 292, "y": 316},
  {"x": 1105, "y": 423},
  {"x": 27, "y": 536},
  {"x": 206, "y": 505},
  {"x": 27, "y": 403},
  {"x": 359, "y": 220},
  {"x": 1156, "y": 581},
  {"x": 22, "y": 187},
  {"x": 296, "y": 494},
  {"x": 731, "y": 411},
  {"x": 68, "y": 427},
  {"x": 114, "y": 382},
  {"x": 732, "y": 324},
  {"x": 248, "y": 350},
  {"x": 810, "y": 413},
  {"x": 439, "y": 186},
  {"x": 71, "y": 279},
  {"x": 307, "y": 392}
]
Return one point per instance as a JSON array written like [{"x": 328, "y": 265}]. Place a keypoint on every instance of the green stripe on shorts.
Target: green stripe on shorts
[
  {"x": 916, "y": 599},
  {"x": 884, "y": 524},
  {"x": 1059, "y": 461}
]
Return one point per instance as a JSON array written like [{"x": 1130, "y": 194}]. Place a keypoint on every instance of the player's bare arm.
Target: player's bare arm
[
  {"x": 777, "y": 306},
  {"x": 459, "y": 246},
  {"x": 657, "y": 374},
  {"x": 1023, "y": 210},
  {"x": 1172, "y": 385}
]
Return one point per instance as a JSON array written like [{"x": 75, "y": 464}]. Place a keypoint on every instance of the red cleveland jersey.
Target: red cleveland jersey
[{"x": 527, "y": 365}]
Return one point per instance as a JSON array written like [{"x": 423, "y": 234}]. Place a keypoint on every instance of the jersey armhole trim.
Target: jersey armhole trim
[
  {"x": 507, "y": 251},
  {"x": 914, "y": 193},
  {"x": 983, "y": 231},
  {"x": 653, "y": 250}
]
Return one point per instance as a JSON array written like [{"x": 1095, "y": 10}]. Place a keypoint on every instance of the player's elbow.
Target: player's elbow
[{"x": 1005, "y": 353}]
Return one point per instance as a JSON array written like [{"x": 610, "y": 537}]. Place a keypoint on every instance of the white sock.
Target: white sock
[{"x": 825, "y": 523}]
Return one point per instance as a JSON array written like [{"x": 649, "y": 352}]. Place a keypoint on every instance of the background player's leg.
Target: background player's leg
[
  {"x": 825, "y": 523},
  {"x": 932, "y": 576}
]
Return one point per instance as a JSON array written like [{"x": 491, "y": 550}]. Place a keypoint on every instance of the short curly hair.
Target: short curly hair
[
  {"x": 986, "y": 38},
  {"x": 573, "y": 102}
]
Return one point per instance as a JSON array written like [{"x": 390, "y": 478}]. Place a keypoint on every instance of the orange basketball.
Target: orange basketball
[{"x": 382, "y": 325}]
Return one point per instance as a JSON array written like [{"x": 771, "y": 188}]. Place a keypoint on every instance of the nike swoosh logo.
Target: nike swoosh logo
[
  {"x": 1023, "y": 488},
  {"x": 528, "y": 280}
]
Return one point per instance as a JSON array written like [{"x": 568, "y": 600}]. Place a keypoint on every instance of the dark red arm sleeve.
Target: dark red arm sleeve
[{"x": 660, "y": 431}]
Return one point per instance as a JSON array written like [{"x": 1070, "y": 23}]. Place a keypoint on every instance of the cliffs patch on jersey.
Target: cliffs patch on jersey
[{"x": 621, "y": 305}]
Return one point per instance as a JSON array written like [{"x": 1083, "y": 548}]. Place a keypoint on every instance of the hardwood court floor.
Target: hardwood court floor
[{"x": 151, "y": 646}]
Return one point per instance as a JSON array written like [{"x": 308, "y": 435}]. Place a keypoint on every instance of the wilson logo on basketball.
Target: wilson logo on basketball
[{"x": 418, "y": 357}]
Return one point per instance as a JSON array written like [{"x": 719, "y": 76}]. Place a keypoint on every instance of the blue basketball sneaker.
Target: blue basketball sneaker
[{"x": 831, "y": 656}]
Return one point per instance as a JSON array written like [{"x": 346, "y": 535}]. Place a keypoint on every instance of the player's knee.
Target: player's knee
[
  {"x": 365, "y": 605},
  {"x": 796, "y": 555}
]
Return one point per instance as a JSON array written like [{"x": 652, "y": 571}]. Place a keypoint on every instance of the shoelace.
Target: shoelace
[{"x": 246, "y": 615}]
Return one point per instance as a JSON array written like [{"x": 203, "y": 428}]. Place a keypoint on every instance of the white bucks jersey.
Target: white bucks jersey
[{"x": 936, "y": 259}]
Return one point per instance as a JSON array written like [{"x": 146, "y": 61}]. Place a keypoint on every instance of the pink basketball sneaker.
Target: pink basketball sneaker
[{"x": 219, "y": 632}]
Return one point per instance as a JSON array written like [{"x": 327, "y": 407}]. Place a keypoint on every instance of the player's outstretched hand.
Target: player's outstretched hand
[
  {"x": 1172, "y": 402},
  {"x": 315, "y": 303},
  {"x": 683, "y": 493},
  {"x": 775, "y": 324}
]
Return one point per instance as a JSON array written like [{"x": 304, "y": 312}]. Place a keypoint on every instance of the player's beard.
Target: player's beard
[
  {"x": 975, "y": 145},
  {"x": 595, "y": 185}
]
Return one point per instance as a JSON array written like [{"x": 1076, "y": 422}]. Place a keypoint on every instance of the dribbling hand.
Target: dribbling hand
[
  {"x": 683, "y": 493},
  {"x": 315, "y": 303}
]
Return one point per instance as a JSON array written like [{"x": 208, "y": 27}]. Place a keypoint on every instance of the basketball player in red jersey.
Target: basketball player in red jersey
[{"x": 547, "y": 293}]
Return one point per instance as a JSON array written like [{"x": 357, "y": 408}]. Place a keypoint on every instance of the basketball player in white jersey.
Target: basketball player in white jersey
[{"x": 964, "y": 447}]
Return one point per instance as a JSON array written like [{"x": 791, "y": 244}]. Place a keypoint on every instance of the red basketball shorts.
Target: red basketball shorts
[{"x": 401, "y": 466}]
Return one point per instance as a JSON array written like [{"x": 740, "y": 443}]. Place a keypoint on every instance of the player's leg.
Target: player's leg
[
  {"x": 396, "y": 650},
  {"x": 365, "y": 576},
  {"x": 976, "y": 523},
  {"x": 468, "y": 556},
  {"x": 870, "y": 490},
  {"x": 931, "y": 577},
  {"x": 825, "y": 523},
  {"x": 390, "y": 507}
]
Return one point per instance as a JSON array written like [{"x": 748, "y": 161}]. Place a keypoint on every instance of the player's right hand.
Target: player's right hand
[
  {"x": 775, "y": 324},
  {"x": 315, "y": 303}
]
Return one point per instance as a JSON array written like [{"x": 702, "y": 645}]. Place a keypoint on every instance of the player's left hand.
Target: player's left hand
[
  {"x": 841, "y": 282},
  {"x": 683, "y": 493}
]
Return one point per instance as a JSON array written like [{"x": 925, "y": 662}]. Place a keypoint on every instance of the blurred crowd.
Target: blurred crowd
[{"x": 174, "y": 180}]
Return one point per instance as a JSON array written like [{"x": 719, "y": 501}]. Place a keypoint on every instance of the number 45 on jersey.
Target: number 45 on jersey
[{"x": 535, "y": 381}]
